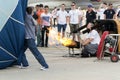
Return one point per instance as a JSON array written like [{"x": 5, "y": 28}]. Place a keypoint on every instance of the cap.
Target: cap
[{"x": 90, "y": 6}]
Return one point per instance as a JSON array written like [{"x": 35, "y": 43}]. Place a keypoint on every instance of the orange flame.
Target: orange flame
[
  {"x": 67, "y": 42},
  {"x": 64, "y": 41}
]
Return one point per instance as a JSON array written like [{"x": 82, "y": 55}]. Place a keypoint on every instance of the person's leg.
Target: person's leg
[
  {"x": 47, "y": 36},
  {"x": 85, "y": 53},
  {"x": 38, "y": 36},
  {"x": 33, "y": 48},
  {"x": 59, "y": 31},
  {"x": 92, "y": 48},
  {"x": 63, "y": 32},
  {"x": 54, "y": 22},
  {"x": 78, "y": 33},
  {"x": 43, "y": 32},
  {"x": 72, "y": 28},
  {"x": 22, "y": 60}
]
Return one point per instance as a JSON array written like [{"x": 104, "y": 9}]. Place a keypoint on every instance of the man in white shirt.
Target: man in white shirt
[
  {"x": 100, "y": 12},
  {"x": 91, "y": 42},
  {"x": 62, "y": 20},
  {"x": 75, "y": 17}
]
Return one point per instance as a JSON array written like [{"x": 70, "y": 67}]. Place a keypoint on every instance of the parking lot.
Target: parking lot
[{"x": 64, "y": 68}]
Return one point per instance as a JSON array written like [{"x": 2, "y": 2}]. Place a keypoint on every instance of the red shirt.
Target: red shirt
[{"x": 39, "y": 12}]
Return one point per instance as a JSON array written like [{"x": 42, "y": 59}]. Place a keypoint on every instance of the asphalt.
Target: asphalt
[{"x": 63, "y": 68}]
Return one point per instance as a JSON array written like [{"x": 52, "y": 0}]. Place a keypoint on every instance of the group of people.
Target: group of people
[
  {"x": 73, "y": 18},
  {"x": 38, "y": 23},
  {"x": 92, "y": 40}
]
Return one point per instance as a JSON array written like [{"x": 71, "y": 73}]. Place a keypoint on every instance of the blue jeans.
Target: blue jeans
[
  {"x": 30, "y": 43},
  {"x": 39, "y": 36},
  {"x": 62, "y": 27},
  {"x": 45, "y": 31}
]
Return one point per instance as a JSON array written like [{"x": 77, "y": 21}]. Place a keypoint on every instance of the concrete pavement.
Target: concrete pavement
[{"x": 63, "y": 68}]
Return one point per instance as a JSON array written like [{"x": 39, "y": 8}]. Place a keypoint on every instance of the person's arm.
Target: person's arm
[
  {"x": 104, "y": 14},
  {"x": 67, "y": 18},
  {"x": 51, "y": 22},
  {"x": 57, "y": 16},
  {"x": 79, "y": 18},
  {"x": 41, "y": 21},
  {"x": 95, "y": 15},
  {"x": 87, "y": 41},
  {"x": 34, "y": 24},
  {"x": 114, "y": 16}
]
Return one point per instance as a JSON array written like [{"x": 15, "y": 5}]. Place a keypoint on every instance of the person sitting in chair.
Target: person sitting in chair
[{"x": 91, "y": 42}]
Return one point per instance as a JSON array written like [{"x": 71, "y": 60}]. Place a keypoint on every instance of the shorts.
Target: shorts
[
  {"x": 74, "y": 27},
  {"x": 62, "y": 27}
]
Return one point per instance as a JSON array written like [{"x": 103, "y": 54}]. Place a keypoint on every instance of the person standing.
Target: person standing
[
  {"x": 46, "y": 20},
  {"x": 62, "y": 20},
  {"x": 30, "y": 40},
  {"x": 100, "y": 12},
  {"x": 74, "y": 19},
  {"x": 90, "y": 14},
  {"x": 109, "y": 13},
  {"x": 54, "y": 12},
  {"x": 39, "y": 11}
]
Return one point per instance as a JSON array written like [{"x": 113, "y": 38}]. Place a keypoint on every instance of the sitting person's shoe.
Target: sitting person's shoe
[
  {"x": 84, "y": 55},
  {"x": 92, "y": 55}
]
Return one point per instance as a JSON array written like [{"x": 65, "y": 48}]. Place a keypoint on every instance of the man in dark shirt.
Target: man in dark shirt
[
  {"x": 90, "y": 14},
  {"x": 109, "y": 13}
]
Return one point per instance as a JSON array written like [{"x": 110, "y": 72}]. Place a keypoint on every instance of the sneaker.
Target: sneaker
[
  {"x": 43, "y": 68},
  {"x": 22, "y": 67}
]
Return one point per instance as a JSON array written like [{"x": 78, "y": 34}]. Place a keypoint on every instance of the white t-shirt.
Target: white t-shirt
[
  {"x": 62, "y": 16},
  {"x": 74, "y": 16},
  {"x": 46, "y": 19},
  {"x": 96, "y": 38},
  {"x": 101, "y": 13},
  {"x": 54, "y": 12}
]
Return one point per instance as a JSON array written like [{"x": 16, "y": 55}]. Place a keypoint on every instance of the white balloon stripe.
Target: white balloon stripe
[
  {"x": 6, "y": 61},
  {"x": 17, "y": 20},
  {"x": 8, "y": 52}
]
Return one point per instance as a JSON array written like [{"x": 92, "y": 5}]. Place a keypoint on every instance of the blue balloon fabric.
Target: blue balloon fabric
[{"x": 12, "y": 35}]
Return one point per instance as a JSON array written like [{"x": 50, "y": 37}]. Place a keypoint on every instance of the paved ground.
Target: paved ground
[{"x": 64, "y": 68}]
